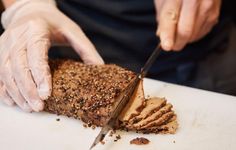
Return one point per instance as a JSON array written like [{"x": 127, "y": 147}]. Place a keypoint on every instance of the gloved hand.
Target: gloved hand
[
  {"x": 31, "y": 26},
  {"x": 185, "y": 21}
]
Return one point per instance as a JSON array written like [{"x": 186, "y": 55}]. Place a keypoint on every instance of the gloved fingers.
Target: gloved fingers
[
  {"x": 4, "y": 96},
  {"x": 186, "y": 24},
  {"x": 23, "y": 78},
  {"x": 81, "y": 43},
  {"x": 37, "y": 55},
  {"x": 12, "y": 89},
  {"x": 168, "y": 19}
]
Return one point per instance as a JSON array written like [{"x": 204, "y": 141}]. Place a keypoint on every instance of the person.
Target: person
[{"x": 122, "y": 32}]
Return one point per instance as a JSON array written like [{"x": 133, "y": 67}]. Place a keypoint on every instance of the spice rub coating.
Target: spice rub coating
[{"x": 86, "y": 92}]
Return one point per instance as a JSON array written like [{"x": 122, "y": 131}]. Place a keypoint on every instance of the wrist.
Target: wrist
[{"x": 21, "y": 8}]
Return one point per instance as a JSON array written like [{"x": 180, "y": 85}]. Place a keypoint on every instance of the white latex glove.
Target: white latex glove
[
  {"x": 185, "y": 21},
  {"x": 31, "y": 26}
]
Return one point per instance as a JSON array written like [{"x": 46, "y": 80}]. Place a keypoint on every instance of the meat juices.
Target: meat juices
[{"x": 89, "y": 93}]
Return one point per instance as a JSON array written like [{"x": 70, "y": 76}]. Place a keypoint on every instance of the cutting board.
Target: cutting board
[{"x": 207, "y": 122}]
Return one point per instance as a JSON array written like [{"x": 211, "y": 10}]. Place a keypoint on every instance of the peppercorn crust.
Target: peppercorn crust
[{"x": 84, "y": 91}]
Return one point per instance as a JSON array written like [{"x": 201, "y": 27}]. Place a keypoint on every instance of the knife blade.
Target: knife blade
[{"x": 124, "y": 97}]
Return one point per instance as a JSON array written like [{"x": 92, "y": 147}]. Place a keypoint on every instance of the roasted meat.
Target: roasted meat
[{"x": 89, "y": 93}]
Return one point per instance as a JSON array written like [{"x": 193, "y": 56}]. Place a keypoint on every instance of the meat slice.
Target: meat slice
[
  {"x": 169, "y": 127},
  {"x": 135, "y": 104},
  {"x": 152, "y": 105},
  {"x": 158, "y": 114},
  {"x": 160, "y": 121}
]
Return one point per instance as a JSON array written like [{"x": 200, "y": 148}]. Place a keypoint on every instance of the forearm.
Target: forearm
[{"x": 8, "y": 3}]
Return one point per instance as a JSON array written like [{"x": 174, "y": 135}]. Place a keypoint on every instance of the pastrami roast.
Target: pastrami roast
[{"x": 89, "y": 93}]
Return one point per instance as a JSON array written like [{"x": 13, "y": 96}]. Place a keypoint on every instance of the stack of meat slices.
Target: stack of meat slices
[
  {"x": 155, "y": 115},
  {"x": 89, "y": 93}
]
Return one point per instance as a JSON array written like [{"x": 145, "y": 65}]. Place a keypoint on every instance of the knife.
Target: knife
[{"x": 124, "y": 97}]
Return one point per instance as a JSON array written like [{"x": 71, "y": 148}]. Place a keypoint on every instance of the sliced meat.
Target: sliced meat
[
  {"x": 158, "y": 114},
  {"x": 160, "y": 121},
  {"x": 169, "y": 127},
  {"x": 135, "y": 104},
  {"x": 152, "y": 106}
]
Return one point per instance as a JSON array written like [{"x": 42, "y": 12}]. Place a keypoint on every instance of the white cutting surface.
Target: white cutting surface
[{"x": 207, "y": 122}]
